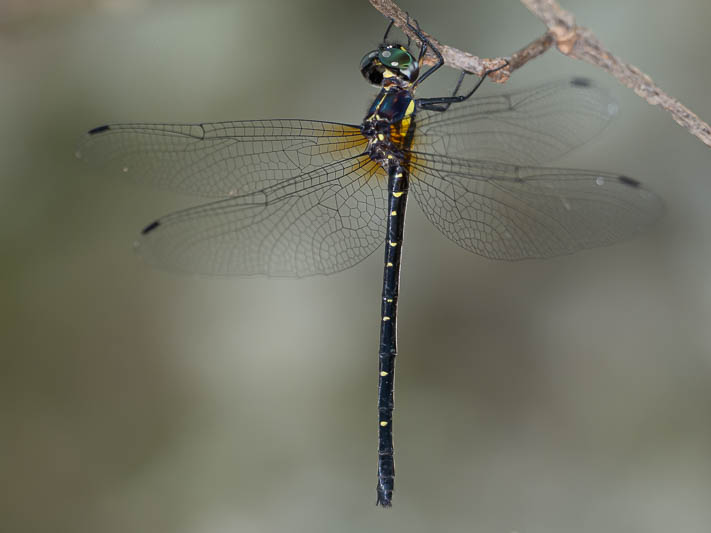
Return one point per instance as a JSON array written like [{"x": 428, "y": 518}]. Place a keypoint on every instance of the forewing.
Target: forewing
[
  {"x": 526, "y": 127},
  {"x": 504, "y": 211},
  {"x": 322, "y": 221},
  {"x": 220, "y": 159}
]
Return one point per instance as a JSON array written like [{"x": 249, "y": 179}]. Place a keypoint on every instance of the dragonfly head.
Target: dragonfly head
[{"x": 390, "y": 62}]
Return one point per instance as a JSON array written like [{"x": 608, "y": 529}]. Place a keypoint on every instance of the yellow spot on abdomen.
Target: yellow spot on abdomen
[
  {"x": 383, "y": 373},
  {"x": 393, "y": 244},
  {"x": 383, "y": 423},
  {"x": 386, "y": 318},
  {"x": 398, "y": 194},
  {"x": 389, "y": 265},
  {"x": 393, "y": 213}
]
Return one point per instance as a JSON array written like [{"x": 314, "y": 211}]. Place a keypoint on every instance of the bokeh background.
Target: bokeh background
[{"x": 567, "y": 395}]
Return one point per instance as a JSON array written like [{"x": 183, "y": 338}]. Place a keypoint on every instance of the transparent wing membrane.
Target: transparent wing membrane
[
  {"x": 320, "y": 222},
  {"x": 504, "y": 211},
  {"x": 527, "y": 127},
  {"x": 300, "y": 197},
  {"x": 223, "y": 158}
]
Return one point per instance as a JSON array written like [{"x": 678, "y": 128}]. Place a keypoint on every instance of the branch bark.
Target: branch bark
[{"x": 570, "y": 39}]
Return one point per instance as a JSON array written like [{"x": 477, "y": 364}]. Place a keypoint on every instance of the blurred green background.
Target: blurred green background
[{"x": 567, "y": 395}]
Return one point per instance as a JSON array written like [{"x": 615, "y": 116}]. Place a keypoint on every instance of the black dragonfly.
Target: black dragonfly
[{"x": 302, "y": 197}]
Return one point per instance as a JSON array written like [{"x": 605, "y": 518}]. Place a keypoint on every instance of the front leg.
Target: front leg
[{"x": 425, "y": 44}]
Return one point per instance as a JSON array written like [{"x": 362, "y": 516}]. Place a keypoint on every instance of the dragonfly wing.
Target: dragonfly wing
[
  {"x": 223, "y": 158},
  {"x": 504, "y": 211},
  {"x": 526, "y": 127},
  {"x": 319, "y": 222}
]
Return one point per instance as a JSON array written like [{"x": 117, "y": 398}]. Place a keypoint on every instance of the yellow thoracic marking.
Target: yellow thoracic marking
[
  {"x": 393, "y": 244},
  {"x": 398, "y": 175},
  {"x": 410, "y": 108},
  {"x": 386, "y": 318},
  {"x": 381, "y": 137},
  {"x": 383, "y": 373},
  {"x": 390, "y": 156},
  {"x": 398, "y": 194},
  {"x": 389, "y": 265},
  {"x": 383, "y": 423},
  {"x": 393, "y": 213}
]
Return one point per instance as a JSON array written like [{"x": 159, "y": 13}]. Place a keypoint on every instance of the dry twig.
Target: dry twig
[
  {"x": 463, "y": 60},
  {"x": 570, "y": 39}
]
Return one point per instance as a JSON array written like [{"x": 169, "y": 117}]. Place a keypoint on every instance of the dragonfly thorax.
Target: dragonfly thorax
[
  {"x": 381, "y": 147},
  {"x": 388, "y": 123}
]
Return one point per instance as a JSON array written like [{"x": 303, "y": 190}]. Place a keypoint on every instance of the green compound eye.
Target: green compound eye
[{"x": 395, "y": 58}]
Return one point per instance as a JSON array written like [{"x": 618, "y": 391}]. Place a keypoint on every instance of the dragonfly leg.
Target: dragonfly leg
[
  {"x": 425, "y": 44},
  {"x": 387, "y": 31},
  {"x": 406, "y": 35},
  {"x": 443, "y": 103},
  {"x": 444, "y": 106}
]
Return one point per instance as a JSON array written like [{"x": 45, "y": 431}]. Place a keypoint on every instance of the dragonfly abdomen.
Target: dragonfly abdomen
[
  {"x": 392, "y": 129},
  {"x": 398, "y": 186}
]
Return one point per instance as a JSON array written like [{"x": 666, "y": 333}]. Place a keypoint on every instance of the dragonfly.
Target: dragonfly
[{"x": 294, "y": 198}]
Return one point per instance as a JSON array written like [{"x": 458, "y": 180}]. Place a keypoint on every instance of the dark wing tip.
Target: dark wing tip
[
  {"x": 625, "y": 180},
  {"x": 150, "y": 227},
  {"x": 581, "y": 82},
  {"x": 99, "y": 129}
]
